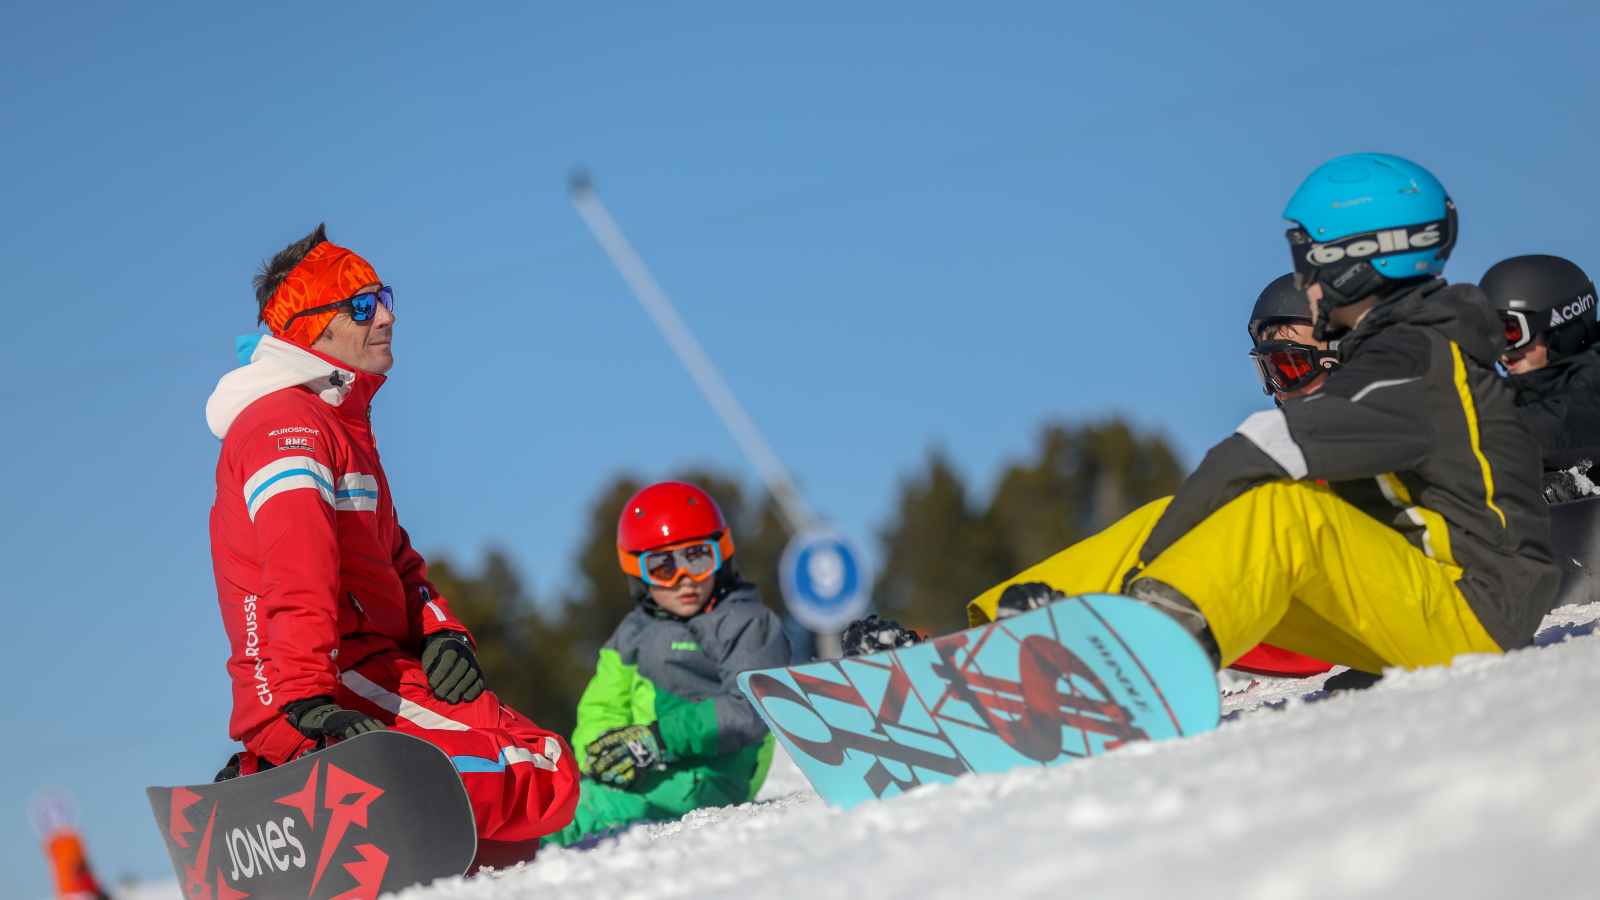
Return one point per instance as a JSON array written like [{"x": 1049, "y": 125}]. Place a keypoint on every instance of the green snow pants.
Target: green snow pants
[{"x": 604, "y": 810}]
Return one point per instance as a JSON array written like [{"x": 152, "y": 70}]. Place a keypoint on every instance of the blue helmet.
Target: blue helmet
[{"x": 1367, "y": 223}]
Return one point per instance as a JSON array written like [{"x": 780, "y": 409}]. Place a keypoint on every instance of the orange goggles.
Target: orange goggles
[{"x": 663, "y": 566}]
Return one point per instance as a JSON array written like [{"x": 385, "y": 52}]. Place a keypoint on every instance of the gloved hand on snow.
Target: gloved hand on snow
[
  {"x": 617, "y": 756},
  {"x": 875, "y": 635},
  {"x": 1569, "y": 484},
  {"x": 320, "y": 717},
  {"x": 451, "y": 666},
  {"x": 1017, "y": 599}
]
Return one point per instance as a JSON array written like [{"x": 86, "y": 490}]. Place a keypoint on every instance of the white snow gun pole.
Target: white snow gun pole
[{"x": 796, "y": 511}]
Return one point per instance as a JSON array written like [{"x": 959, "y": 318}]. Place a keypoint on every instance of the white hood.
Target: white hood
[{"x": 274, "y": 365}]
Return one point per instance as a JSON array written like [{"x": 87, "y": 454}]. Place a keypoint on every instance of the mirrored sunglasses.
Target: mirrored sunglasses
[{"x": 363, "y": 306}]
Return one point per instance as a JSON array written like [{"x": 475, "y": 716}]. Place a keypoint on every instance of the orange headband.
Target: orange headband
[{"x": 328, "y": 274}]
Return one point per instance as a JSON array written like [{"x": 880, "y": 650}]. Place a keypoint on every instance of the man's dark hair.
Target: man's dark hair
[
  {"x": 272, "y": 274},
  {"x": 1271, "y": 330}
]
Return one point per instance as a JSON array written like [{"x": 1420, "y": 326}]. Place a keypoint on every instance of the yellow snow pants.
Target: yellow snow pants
[
  {"x": 1293, "y": 564},
  {"x": 1093, "y": 565}
]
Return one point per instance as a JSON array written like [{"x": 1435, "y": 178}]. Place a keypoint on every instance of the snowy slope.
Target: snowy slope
[
  {"x": 1478, "y": 780},
  {"x": 164, "y": 890}
]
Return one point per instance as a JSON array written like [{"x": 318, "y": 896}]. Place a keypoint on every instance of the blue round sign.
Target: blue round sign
[
  {"x": 826, "y": 579},
  {"x": 52, "y": 809}
]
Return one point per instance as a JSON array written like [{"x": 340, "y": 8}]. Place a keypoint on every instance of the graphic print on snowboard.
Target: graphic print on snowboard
[
  {"x": 369, "y": 815},
  {"x": 1077, "y": 678}
]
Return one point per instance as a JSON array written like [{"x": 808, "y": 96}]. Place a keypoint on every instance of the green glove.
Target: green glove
[
  {"x": 320, "y": 717},
  {"x": 617, "y": 756},
  {"x": 451, "y": 666}
]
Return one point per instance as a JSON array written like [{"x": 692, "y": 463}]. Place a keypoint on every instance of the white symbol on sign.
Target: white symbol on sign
[
  {"x": 52, "y": 809},
  {"x": 826, "y": 568},
  {"x": 826, "y": 579}
]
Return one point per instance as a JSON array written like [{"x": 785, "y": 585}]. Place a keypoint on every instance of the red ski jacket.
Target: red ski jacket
[{"x": 314, "y": 573}]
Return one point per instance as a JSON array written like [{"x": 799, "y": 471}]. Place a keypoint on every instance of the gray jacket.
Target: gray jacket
[{"x": 681, "y": 674}]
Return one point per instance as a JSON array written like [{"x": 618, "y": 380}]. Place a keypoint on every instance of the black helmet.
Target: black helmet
[
  {"x": 1280, "y": 301},
  {"x": 1543, "y": 294}
]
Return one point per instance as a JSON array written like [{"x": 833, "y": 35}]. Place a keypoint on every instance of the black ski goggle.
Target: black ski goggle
[
  {"x": 1518, "y": 334},
  {"x": 1286, "y": 366}
]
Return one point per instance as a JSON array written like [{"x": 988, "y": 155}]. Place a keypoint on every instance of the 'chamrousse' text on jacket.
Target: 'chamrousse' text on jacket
[
  {"x": 1561, "y": 404},
  {"x": 1418, "y": 430},
  {"x": 680, "y": 674},
  {"x": 314, "y": 573}
]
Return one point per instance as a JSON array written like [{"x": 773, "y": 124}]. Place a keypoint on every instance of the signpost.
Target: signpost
[{"x": 827, "y": 583}]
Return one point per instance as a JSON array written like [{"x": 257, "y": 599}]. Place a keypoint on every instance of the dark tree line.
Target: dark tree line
[{"x": 940, "y": 550}]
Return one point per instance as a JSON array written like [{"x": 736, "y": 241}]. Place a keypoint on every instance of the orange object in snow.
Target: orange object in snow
[{"x": 69, "y": 864}]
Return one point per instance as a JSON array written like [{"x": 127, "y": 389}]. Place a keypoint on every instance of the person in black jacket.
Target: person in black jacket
[
  {"x": 1394, "y": 517},
  {"x": 1547, "y": 306}
]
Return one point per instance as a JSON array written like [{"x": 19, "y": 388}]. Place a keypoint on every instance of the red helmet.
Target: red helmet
[{"x": 668, "y": 513}]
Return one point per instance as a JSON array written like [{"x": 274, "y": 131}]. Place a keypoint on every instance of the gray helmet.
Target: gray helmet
[
  {"x": 1543, "y": 294},
  {"x": 1280, "y": 301}
]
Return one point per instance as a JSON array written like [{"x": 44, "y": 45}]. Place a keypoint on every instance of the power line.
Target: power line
[{"x": 693, "y": 356}]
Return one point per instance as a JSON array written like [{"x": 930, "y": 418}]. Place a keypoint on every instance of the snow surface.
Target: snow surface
[
  {"x": 168, "y": 890},
  {"x": 1473, "y": 780}
]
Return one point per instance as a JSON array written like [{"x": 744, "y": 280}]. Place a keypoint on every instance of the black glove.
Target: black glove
[
  {"x": 451, "y": 666},
  {"x": 245, "y": 763},
  {"x": 1017, "y": 599},
  {"x": 875, "y": 635},
  {"x": 616, "y": 756},
  {"x": 320, "y": 717},
  {"x": 1562, "y": 485}
]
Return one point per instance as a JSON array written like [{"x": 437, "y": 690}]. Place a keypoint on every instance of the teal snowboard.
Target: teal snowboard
[{"x": 1077, "y": 678}]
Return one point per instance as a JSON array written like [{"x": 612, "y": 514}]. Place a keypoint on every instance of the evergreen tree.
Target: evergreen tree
[
  {"x": 938, "y": 553},
  {"x": 941, "y": 550},
  {"x": 597, "y": 598},
  {"x": 1080, "y": 480},
  {"x": 525, "y": 657}
]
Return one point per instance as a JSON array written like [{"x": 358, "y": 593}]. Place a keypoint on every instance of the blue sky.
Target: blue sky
[{"x": 893, "y": 227}]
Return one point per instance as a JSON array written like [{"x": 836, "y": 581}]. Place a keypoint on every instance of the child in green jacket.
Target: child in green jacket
[{"x": 663, "y": 728}]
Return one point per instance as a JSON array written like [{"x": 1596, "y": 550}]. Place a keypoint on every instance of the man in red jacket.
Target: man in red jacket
[{"x": 334, "y": 627}]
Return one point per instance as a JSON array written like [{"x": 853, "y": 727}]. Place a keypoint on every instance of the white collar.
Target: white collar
[{"x": 275, "y": 365}]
